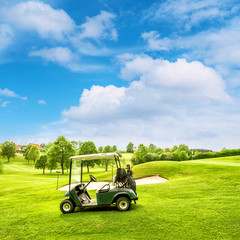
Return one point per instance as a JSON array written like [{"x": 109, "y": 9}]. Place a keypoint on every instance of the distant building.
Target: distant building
[
  {"x": 18, "y": 147},
  {"x": 38, "y": 146}
]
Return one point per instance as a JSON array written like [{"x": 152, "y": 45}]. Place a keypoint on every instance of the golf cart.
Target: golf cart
[{"x": 122, "y": 192}]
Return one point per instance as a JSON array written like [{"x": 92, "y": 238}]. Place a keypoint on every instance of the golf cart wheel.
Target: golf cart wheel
[
  {"x": 67, "y": 206},
  {"x": 123, "y": 204}
]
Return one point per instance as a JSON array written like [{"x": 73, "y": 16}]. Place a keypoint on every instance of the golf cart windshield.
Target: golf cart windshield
[{"x": 77, "y": 162}]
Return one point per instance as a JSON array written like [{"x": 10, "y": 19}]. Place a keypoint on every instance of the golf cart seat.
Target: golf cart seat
[{"x": 121, "y": 175}]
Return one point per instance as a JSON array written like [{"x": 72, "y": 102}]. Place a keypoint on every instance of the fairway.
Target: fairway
[
  {"x": 230, "y": 161},
  {"x": 200, "y": 201}
]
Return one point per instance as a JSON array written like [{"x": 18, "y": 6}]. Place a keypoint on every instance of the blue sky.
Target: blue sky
[{"x": 163, "y": 72}]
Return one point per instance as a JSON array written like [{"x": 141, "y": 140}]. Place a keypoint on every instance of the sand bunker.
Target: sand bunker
[{"x": 140, "y": 181}]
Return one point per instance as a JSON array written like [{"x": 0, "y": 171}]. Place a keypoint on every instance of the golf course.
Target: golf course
[{"x": 200, "y": 201}]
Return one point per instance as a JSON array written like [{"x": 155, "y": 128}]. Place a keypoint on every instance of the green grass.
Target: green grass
[
  {"x": 231, "y": 161},
  {"x": 201, "y": 201}
]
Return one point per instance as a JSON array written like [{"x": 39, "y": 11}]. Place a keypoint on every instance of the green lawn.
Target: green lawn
[{"x": 201, "y": 201}]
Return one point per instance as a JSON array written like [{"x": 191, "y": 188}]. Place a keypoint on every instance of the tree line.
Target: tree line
[
  {"x": 182, "y": 152},
  {"x": 58, "y": 153}
]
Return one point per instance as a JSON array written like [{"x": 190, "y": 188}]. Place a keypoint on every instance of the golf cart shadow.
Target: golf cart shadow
[{"x": 100, "y": 209}]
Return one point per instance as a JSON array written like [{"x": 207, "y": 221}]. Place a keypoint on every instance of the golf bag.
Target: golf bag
[
  {"x": 131, "y": 183},
  {"x": 124, "y": 179}
]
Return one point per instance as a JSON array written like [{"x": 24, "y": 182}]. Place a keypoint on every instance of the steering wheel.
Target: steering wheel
[{"x": 92, "y": 178}]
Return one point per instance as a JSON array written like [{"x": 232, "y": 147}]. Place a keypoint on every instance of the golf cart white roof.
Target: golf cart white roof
[{"x": 95, "y": 156}]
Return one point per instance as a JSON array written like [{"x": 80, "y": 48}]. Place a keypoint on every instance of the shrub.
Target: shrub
[
  {"x": 132, "y": 160},
  {"x": 149, "y": 157},
  {"x": 159, "y": 150},
  {"x": 175, "y": 155},
  {"x": 140, "y": 154},
  {"x": 166, "y": 156},
  {"x": 183, "y": 156}
]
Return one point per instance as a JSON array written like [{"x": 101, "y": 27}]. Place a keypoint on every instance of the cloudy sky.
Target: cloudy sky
[{"x": 165, "y": 72}]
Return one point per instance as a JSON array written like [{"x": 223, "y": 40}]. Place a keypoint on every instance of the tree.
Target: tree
[
  {"x": 23, "y": 146},
  {"x": 28, "y": 147},
  {"x": 152, "y": 148},
  {"x": 60, "y": 152},
  {"x": 167, "y": 150},
  {"x": 106, "y": 162},
  {"x": 33, "y": 154},
  {"x": 183, "y": 147},
  {"x": 43, "y": 145},
  {"x": 41, "y": 163},
  {"x": 165, "y": 156},
  {"x": 52, "y": 164},
  {"x": 183, "y": 156},
  {"x": 149, "y": 157},
  {"x": 79, "y": 144},
  {"x": 100, "y": 149},
  {"x": 8, "y": 150},
  {"x": 130, "y": 147},
  {"x": 140, "y": 154},
  {"x": 75, "y": 144},
  {"x": 114, "y": 148},
  {"x": 26, "y": 155},
  {"x": 159, "y": 150},
  {"x": 174, "y": 148},
  {"x": 175, "y": 155},
  {"x": 88, "y": 148}
]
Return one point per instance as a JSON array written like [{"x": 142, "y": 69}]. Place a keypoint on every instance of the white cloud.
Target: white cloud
[
  {"x": 6, "y": 36},
  {"x": 215, "y": 47},
  {"x": 99, "y": 27},
  {"x": 60, "y": 55},
  {"x": 155, "y": 42},
  {"x": 65, "y": 57},
  {"x": 88, "y": 48},
  {"x": 39, "y": 16},
  {"x": 5, "y": 103},
  {"x": 162, "y": 84},
  {"x": 181, "y": 78},
  {"x": 88, "y": 39},
  {"x": 166, "y": 101},
  {"x": 8, "y": 93},
  {"x": 42, "y": 102},
  {"x": 93, "y": 102},
  {"x": 192, "y": 13}
]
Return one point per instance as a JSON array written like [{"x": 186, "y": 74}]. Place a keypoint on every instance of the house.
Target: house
[
  {"x": 38, "y": 146},
  {"x": 18, "y": 147}
]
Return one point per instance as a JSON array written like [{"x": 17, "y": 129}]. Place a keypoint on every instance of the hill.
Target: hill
[{"x": 201, "y": 201}]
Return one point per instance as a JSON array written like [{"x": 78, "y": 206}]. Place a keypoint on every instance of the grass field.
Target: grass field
[{"x": 201, "y": 201}]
